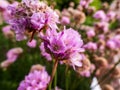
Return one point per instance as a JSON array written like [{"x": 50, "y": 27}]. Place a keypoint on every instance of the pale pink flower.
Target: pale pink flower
[
  {"x": 90, "y": 33},
  {"x": 36, "y": 80},
  {"x": 12, "y": 55},
  {"x": 100, "y": 15},
  {"x": 65, "y": 20},
  {"x": 32, "y": 44}
]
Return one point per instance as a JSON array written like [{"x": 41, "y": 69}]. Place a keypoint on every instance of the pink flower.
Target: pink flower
[
  {"x": 32, "y": 44},
  {"x": 36, "y": 80},
  {"x": 85, "y": 3},
  {"x": 104, "y": 26},
  {"x": 32, "y": 16},
  {"x": 111, "y": 44},
  {"x": 7, "y": 31},
  {"x": 65, "y": 20},
  {"x": 64, "y": 46},
  {"x": 85, "y": 73},
  {"x": 12, "y": 55},
  {"x": 100, "y": 15},
  {"x": 91, "y": 46},
  {"x": 111, "y": 15},
  {"x": 90, "y": 33}
]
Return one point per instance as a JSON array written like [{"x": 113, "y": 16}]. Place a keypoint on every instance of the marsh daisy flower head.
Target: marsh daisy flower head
[
  {"x": 64, "y": 45},
  {"x": 31, "y": 16},
  {"x": 36, "y": 80}
]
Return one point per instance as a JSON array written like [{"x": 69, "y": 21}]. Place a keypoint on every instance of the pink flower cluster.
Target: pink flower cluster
[
  {"x": 36, "y": 80},
  {"x": 12, "y": 55},
  {"x": 64, "y": 45},
  {"x": 85, "y": 3},
  {"x": 31, "y": 16}
]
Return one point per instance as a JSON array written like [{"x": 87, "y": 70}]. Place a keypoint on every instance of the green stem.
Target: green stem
[
  {"x": 53, "y": 73},
  {"x": 55, "y": 79},
  {"x": 67, "y": 79},
  {"x": 49, "y": 88}
]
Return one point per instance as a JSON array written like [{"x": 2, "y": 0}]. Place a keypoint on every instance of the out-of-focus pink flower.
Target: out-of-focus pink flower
[
  {"x": 5, "y": 14},
  {"x": 101, "y": 36},
  {"x": 104, "y": 26},
  {"x": 32, "y": 44},
  {"x": 36, "y": 80},
  {"x": 12, "y": 55},
  {"x": 85, "y": 3},
  {"x": 114, "y": 42},
  {"x": 90, "y": 33},
  {"x": 111, "y": 44},
  {"x": 100, "y": 15},
  {"x": 7, "y": 32},
  {"x": 91, "y": 46},
  {"x": 111, "y": 15},
  {"x": 3, "y": 4},
  {"x": 65, "y": 20},
  {"x": 85, "y": 73}
]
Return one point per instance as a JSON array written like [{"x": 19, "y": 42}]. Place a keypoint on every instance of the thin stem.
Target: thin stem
[
  {"x": 49, "y": 88},
  {"x": 53, "y": 72},
  {"x": 55, "y": 79},
  {"x": 67, "y": 79}
]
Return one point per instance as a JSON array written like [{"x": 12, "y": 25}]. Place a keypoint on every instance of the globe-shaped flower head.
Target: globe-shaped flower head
[
  {"x": 31, "y": 16},
  {"x": 65, "y": 46}
]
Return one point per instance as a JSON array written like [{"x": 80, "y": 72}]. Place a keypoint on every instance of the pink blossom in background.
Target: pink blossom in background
[
  {"x": 12, "y": 55},
  {"x": 36, "y": 80},
  {"x": 65, "y": 20},
  {"x": 111, "y": 15},
  {"x": 101, "y": 36},
  {"x": 85, "y": 3},
  {"x": 32, "y": 44},
  {"x": 7, "y": 31},
  {"x": 90, "y": 33},
  {"x": 85, "y": 73},
  {"x": 100, "y": 15},
  {"x": 111, "y": 44},
  {"x": 114, "y": 42},
  {"x": 91, "y": 46},
  {"x": 104, "y": 26}
]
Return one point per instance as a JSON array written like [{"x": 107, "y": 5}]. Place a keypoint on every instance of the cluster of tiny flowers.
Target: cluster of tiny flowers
[
  {"x": 65, "y": 45},
  {"x": 36, "y": 80},
  {"x": 31, "y": 16}
]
